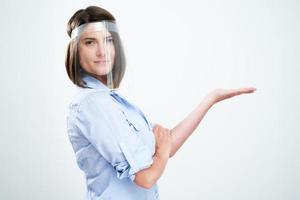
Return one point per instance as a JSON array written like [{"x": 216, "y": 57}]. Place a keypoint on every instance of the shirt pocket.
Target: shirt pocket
[{"x": 133, "y": 121}]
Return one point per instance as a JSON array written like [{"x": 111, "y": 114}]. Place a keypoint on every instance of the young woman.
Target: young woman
[{"x": 121, "y": 153}]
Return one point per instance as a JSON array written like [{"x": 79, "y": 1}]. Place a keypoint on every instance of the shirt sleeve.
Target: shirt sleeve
[{"x": 113, "y": 135}]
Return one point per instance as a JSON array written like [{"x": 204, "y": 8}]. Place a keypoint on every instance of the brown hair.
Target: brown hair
[{"x": 82, "y": 16}]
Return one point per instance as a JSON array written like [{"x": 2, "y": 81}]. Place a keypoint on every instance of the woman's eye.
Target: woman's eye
[
  {"x": 89, "y": 42},
  {"x": 109, "y": 40}
]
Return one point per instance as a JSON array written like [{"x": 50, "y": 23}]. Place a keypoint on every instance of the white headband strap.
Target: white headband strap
[{"x": 97, "y": 26}]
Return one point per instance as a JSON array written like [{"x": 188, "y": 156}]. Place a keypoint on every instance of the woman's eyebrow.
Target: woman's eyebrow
[{"x": 91, "y": 38}]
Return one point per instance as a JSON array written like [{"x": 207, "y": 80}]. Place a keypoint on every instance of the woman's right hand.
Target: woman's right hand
[{"x": 163, "y": 137}]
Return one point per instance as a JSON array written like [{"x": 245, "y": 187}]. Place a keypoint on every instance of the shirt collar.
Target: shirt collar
[{"x": 94, "y": 83}]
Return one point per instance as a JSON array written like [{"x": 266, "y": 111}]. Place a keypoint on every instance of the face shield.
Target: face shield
[{"x": 99, "y": 52}]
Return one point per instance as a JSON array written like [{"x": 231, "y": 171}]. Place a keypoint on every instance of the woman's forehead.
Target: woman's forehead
[
  {"x": 90, "y": 27},
  {"x": 95, "y": 34}
]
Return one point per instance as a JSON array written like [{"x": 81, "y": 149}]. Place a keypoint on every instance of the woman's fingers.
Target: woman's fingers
[
  {"x": 240, "y": 91},
  {"x": 245, "y": 90},
  {"x": 222, "y": 94},
  {"x": 163, "y": 140},
  {"x": 158, "y": 127},
  {"x": 157, "y": 131},
  {"x": 160, "y": 133}
]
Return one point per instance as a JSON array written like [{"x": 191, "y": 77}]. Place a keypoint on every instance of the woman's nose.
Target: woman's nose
[{"x": 101, "y": 50}]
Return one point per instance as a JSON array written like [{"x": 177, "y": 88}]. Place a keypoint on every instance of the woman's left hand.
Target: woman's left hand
[{"x": 221, "y": 94}]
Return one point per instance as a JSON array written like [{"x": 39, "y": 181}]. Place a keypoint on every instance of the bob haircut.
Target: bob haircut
[{"x": 83, "y": 16}]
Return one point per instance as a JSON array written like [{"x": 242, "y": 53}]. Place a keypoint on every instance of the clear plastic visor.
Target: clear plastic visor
[{"x": 99, "y": 52}]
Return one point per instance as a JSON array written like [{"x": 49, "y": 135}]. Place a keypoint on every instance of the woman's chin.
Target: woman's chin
[{"x": 102, "y": 71}]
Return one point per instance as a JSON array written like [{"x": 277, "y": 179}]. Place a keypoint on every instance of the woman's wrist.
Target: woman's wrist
[
  {"x": 210, "y": 99},
  {"x": 162, "y": 156}
]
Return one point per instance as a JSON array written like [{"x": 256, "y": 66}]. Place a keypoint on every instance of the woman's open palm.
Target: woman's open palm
[{"x": 222, "y": 94}]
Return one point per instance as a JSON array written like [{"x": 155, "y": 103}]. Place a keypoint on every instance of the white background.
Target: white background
[{"x": 245, "y": 148}]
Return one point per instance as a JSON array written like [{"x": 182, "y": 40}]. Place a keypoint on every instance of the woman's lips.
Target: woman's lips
[{"x": 101, "y": 61}]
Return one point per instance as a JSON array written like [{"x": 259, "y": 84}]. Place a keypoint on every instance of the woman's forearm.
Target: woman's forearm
[
  {"x": 146, "y": 178},
  {"x": 185, "y": 128}
]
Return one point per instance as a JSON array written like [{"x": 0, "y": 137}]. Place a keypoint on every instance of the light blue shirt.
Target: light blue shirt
[{"x": 112, "y": 140}]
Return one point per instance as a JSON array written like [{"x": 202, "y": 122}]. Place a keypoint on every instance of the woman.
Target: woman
[{"x": 120, "y": 152}]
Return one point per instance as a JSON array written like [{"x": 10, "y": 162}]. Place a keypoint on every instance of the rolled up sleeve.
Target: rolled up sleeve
[{"x": 107, "y": 129}]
